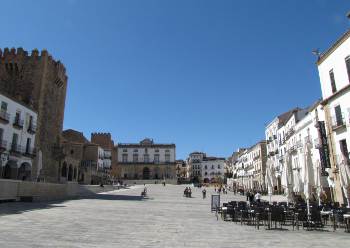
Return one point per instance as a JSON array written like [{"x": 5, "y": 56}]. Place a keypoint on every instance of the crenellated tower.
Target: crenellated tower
[{"x": 39, "y": 81}]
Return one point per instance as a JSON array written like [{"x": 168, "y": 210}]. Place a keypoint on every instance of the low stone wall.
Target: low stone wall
[
  {"x": 39, "y": 191},
  {"x": 138, "y": 182}
]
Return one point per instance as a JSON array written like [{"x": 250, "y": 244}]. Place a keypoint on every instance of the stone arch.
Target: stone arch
[
  {"x": 64, "y": 170},
  {"x": 156, "y": 173},
  {"x": 70, "y": 173},
  {"x": 25, "y": 171},
  {"x": 10, "y": 170},
  {"x": 146, "y": 173}
]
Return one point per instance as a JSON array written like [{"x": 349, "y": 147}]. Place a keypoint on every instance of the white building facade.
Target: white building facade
[
  {"x": 206, "y": 169},
  {"x": 334, "y": 73},
  {"x": 17, "y": 139},
  {"x": 212, "y": 169}
]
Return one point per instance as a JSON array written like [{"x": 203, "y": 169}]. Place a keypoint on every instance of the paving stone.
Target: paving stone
[{"x": 122, "y": 219}]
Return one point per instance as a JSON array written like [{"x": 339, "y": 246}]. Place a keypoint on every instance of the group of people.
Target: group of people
[
  {"x": 187, "y": 192},
  {"x": 221, "y": 189},
  {"x": 251, "y": 197}
]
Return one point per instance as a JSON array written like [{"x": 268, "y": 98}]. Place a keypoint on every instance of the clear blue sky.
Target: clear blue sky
[{"x": 206, "y": 75}]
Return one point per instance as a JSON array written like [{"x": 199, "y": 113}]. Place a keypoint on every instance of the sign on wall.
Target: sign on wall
[{"x": 323, "y": 149}]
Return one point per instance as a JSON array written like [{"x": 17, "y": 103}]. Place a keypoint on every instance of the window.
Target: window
[
  {"x": 1, "y": 135},
  {"x": 29, "y": 141},
  {"x": 218, "y": 166},
  {"x": 135, "y": 158},
  {"x": 338, "y": 116},
  {"x": 30, "y": 121},
  {"x": 167, "y": 158},
  {"x": 3, "y": 106},
  {"x": 146, "y": 158},
  {"x": 206, "y": 173},
  {"x": 135, "y": 150},
  {"x": 206, "y": 167},
  {"x": 344, "y": 148},
  {"x": 125, "y": 150},
  {"x": 125, "y": 158},
  {"x": 14, "y": 142},
  {"x": 347, "y": 62},
  {"x": 156, "y": 158},
  {"x": 212, "y": 166},
  {"x": 157, "y": 150},
  {"x": 331, "y": 76}
]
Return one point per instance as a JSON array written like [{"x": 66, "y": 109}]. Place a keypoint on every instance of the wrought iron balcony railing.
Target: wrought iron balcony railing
[
  {"x": 29, "y": 151},
  {"x": 338, "y": 121},
  {"x": 18, "y": 122},
  {"x": 32, "y": 127},
  {"x": 4, "y": 116},
  {"x": 15, "y": 148}
]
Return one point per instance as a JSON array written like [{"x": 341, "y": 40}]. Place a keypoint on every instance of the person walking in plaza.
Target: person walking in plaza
[
  {"x": 248, "y": 195},
  {"x": 251, "y": 196},
  {"x": 204, "y": 192},
  {"x": 257, "y": 197},
  {"x": 189, "y": 192}
]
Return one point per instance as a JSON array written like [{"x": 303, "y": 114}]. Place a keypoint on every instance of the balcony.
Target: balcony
[
  {"x": 299, "y": 144},
  {"x": 29, "y": 152},
  {"x": 289, "y": 133},
  {"x": 281, "y": 158},
  {"x": 4, "y": 116},
  {"x": 338, "y": 122},
  {"x": 16, "y": 149},
  {"x": 3, "y": 145},
  {"x": 308, "y": 140},
  {"x": 292, "y": 149},
  {"x": 18, "y": 123},
  {"x": 32, "y": 127},
  {"x": 340, "y": 159}
]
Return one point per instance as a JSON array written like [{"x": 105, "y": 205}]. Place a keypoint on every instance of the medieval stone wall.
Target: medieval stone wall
[{"x": 41, "y": 82}]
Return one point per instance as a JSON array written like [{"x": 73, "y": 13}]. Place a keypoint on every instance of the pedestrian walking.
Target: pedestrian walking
[
  {"x": 204, "y": 192},
  {"x": 257, "y": 197}
]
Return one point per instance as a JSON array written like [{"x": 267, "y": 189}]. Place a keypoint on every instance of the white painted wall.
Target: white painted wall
[
  {"x": 9, "y": 130},
  {"x": 212, "y": 168},
  {"x": 336, "y": 62}
]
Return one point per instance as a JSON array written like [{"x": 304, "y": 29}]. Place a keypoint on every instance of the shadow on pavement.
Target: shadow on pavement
[
  {"x": 114, "y": 197},
  {"x": 22, "y": 207}
]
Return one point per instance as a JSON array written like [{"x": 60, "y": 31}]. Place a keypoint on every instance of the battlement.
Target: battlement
[
  {"x": 98, "y": 134},
  {"x": 18, "y": 55}
]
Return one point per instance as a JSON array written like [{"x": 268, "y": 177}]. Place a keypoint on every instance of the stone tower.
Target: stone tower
[{"x": 41, "y": 82}]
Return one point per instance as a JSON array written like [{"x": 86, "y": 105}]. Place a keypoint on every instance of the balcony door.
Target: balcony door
[
  {"x": 28, "y": 145},
  {"x": 338, "y": 115},
  {"x": 344, "y": 148},
  {"x": 14, "y": 141}
]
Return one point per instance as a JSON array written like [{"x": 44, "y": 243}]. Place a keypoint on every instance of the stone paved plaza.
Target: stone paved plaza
[{"x": 122, "y": 219}]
